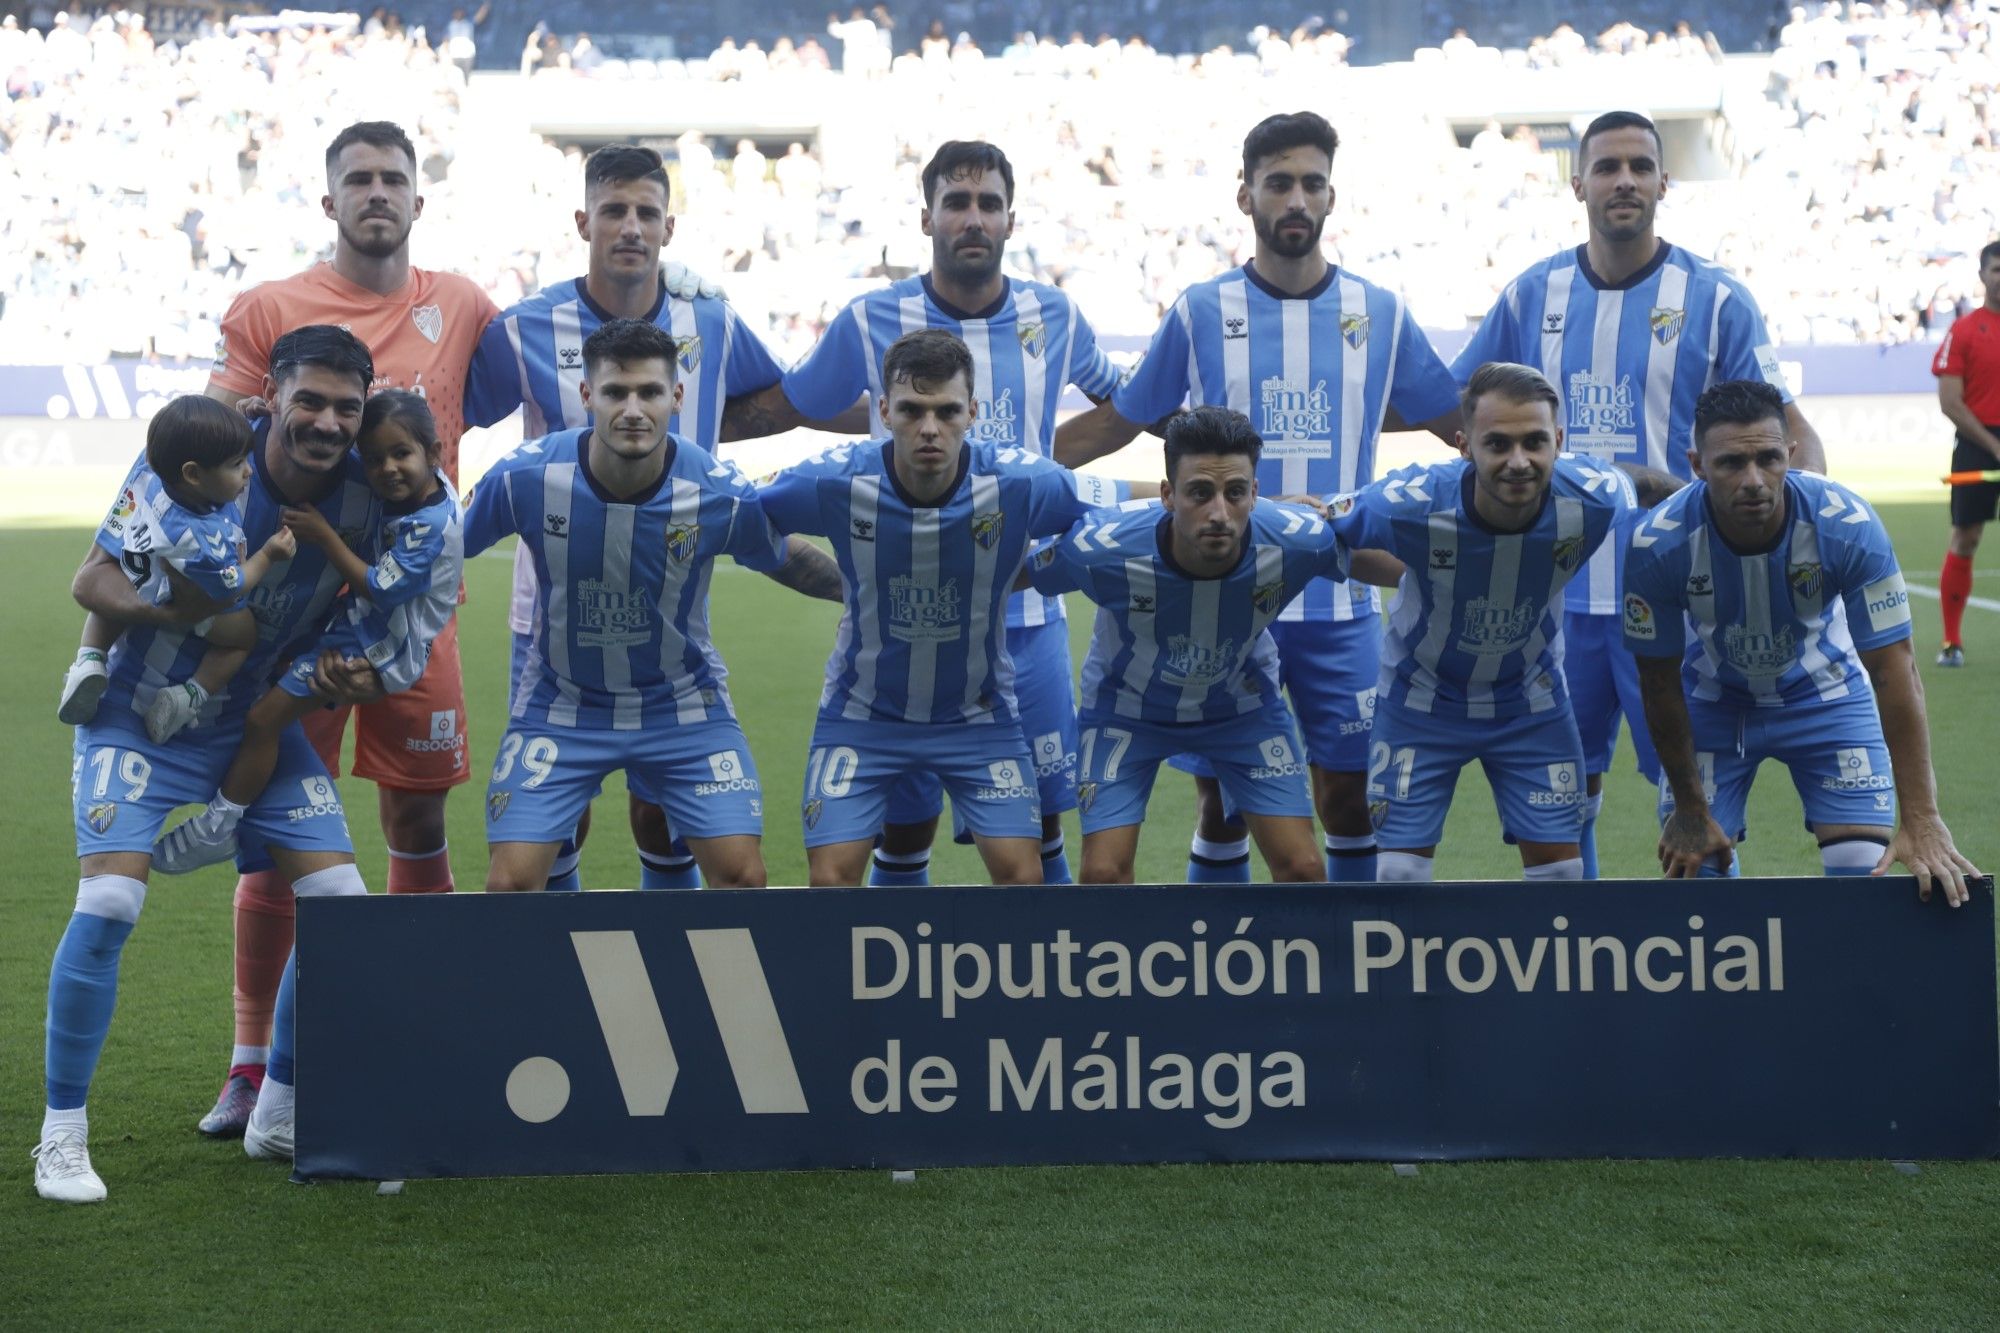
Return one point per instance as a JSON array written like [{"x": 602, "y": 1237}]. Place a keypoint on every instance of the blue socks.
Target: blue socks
[
  {"x": 282, "y": 1036},
  {"x": 83, "y": 989},
  {"x": 900, "y": 870},
  {"x": 675, "y": 870},
  {"x": 1350, "y": 860},
  {"x": 1218, "y": 862},
  {"x": 563, "y": 876},
  {"x": 1055, "y": 864}
]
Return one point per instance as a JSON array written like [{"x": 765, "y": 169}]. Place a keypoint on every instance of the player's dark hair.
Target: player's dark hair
[
  {"x": 1515, "y": 383},
  {"x": 1989, "y": 253},
  {"x": 1294, "y": 129},
  {"x": 405, "y": 409},
  {"x": 1210, "y": 430},
  {"x": 374, "y": 133},
  {"x": 617, "y": 163},
  {"x": 1615, "y": 120},
  {"x": 326, "y": 346},
  {"x": 194, "y": 428},
  {"x": 928, "y": 356},
  {"x": 1736, "y": 403},
  {"x": 625, "y": 342},
  {"x": 956, "y": 157}
]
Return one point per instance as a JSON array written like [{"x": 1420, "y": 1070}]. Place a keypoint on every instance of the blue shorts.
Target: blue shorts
[
  {"x": 1603, "y": 679},
  {"x": 342, "y": 637},
  {"x": 123, "y": 787},
  {"x": 1839, "y": 764},
  {"x": 1328, "y": 669},
  {"x": 1045, "y": 690},
  {"x": 1534, "y": 764},
  {"x": 635, "y": 779},
  {"x": 544, "y": 777},
  {"x": 854, "y": 765},
  {"x": 1255, "y": 757}
]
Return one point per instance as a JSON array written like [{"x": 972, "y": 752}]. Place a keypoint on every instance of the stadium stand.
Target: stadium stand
[{"x": 155, "y": 166}]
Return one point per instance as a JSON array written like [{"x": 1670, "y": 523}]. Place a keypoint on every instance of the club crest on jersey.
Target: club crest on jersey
[
  {"x": 496, "y": 804},
  {"x": 1354, "y": 328},
  {"x": 986, "y": 528},
  {"x": 689, "y": 354},
  {"x": 1568, "y": 554},
  {"x": 1192, "y": 662},
  {"x": 1343, "y": 505},
  {"x": 1378, "y": 814},
  {"x": 1666, "y": 323},
  {"x": 1806, "y": 580},
  {"x": 1086, "y": 796},
  {"x": 1268, "y": 598},
  {"x": 682, "y": 539},
  {"x": 811, "y": 810},
  {"x": 1034, "y": 339},
  {"x": 429, "y": 320},
  {"x": 101, "y": 816}
]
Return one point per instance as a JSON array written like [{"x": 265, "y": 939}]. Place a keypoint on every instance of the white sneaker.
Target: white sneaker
[
  {"x": 174, "y": 707},
  {"x": 83, "y": 686},
  {"x": 62, "y": 1168},
  {"x": 268, "y": 1136},
  {"x": 202, "y": 839}
]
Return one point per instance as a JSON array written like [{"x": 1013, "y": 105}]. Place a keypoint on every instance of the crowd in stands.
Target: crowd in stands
[{"x": 144, "y": 183}]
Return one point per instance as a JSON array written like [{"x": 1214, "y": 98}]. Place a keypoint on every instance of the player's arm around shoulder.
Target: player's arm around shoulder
[
  {"x": 490, "y": 509},
  {"x": 793, "y": 497}
]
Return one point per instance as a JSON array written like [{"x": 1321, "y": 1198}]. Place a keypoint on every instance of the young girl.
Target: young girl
[
  {"x": 175, "y": 521},
  {"x": 392, "y": 610}
]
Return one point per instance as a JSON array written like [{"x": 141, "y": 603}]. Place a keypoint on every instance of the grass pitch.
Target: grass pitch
[{"x": 196, "y": 1234}]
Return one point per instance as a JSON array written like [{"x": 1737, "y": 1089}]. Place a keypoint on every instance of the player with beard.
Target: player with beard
[
  {"x": 421, "y": 328},
  {"x": 1321, "y": 361},
  {"x": 1028, "y": 342},
  {"x": 1630, "y": 329}
]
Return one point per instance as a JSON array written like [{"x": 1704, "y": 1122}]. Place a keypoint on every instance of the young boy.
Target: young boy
[{"x": 175, "y": 525}]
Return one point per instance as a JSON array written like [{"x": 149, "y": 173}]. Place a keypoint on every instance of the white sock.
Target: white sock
[
  {"x": 1852, "y": 855},
  {"x": 902, "y": 860},
  {"x": 223, "y": 810},
  {"x": 250, "y": 1055},
  {"x": 90, "y": 654},
  {"x": 274, "y": 1099},
  {"x": 196, "y": 692},
  {"x": 1404, "y": 868},
  {"x": 1569, "y": 869},
  {"x": 53, "y": 1120}
]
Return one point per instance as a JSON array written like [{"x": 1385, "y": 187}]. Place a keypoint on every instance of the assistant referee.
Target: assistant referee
[{"x": 1968, "y": 375}]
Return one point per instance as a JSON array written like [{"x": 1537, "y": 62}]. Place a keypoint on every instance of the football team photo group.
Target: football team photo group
[{"x": 1320, "y": 651}]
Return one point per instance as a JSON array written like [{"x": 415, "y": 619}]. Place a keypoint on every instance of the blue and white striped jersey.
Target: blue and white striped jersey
[
  {"x": 1315, "y": 373},
  {"x": 412, "y": 589},
  {"x": 531, "y": 357},
  {"x": 151, "y": 532},
  {"x": 1475, "y": 631},
  {"x": 921, "y": 631},
  {"x": 1026, "y": 348},
  {"x": 1774, "y": 627},
  {"x": 1169, "y": 646},
  {"x": 620, "y": 638},
  {"x": 1629, "y": 361},
  {"x": 291, "y": 605}
]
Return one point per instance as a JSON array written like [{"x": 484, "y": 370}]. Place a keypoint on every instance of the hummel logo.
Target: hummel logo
[
  {"x": 570, "y": 357},
  {"x": 1233, "y": 327},
  {"x": 1142, "y": 604},
  {"x": 558, "y": 525},
  {"x": 863, "y": 529},
  {"x": 1553, "y": 322}
]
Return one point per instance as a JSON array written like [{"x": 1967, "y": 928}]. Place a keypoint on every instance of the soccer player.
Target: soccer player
[
  {"x": 125, "y": 785},
  {"x": 1967, "y": 367},
  {"x": 1321, "y": 361},
  {"x": 532, "y": 357},
  {"x": 1770, "y": 621},
  {"x": 421, "y": 328},
  {"x": 196, "y": 463},
  {"x": 929, "y": 532},
  {"x": 1180, "y": 662},
  {"x": 1028, "y": 343},
  {"x": 624, "y": 521},
  {"x": 1472, "y": 652},
  {"x": 1630, "y": 329}
]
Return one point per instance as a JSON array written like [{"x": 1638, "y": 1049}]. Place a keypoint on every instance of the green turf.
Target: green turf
[{"x": 196, "y": 1234}]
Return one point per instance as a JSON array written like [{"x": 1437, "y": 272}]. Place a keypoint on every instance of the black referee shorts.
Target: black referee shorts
[{"x": 1977, "y": 503}]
